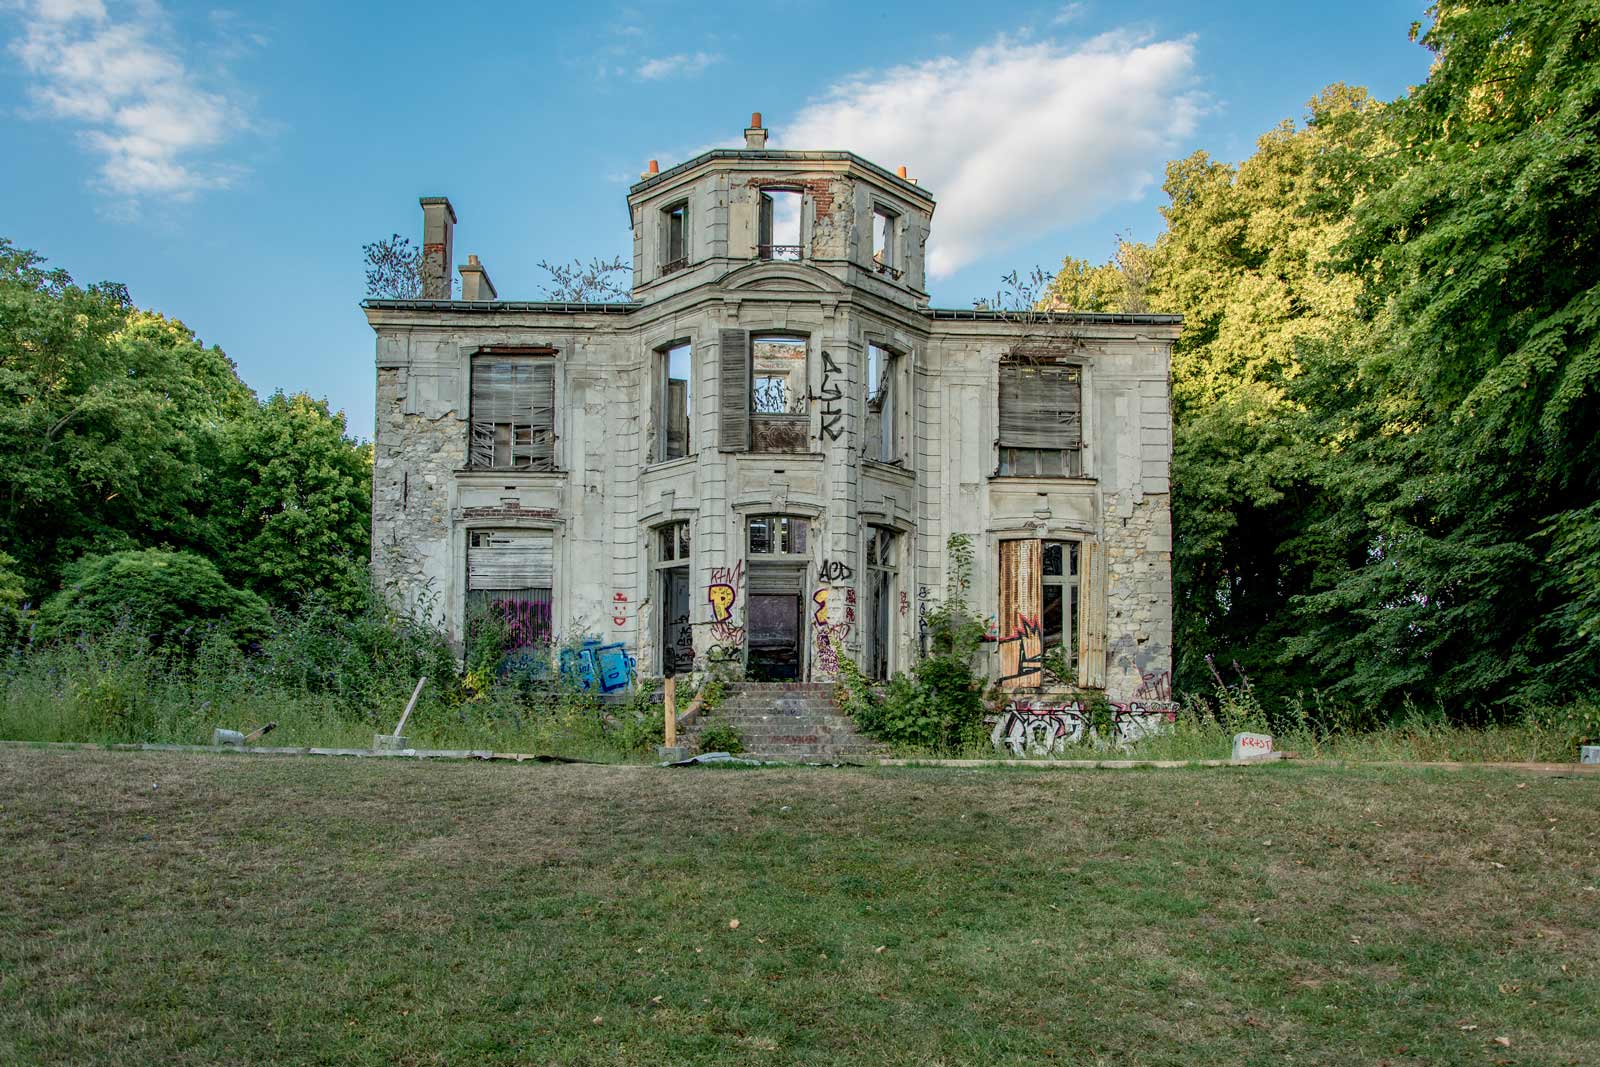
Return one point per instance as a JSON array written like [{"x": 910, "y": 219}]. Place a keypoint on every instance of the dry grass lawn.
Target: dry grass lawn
[{"x": 189, "y": 909}]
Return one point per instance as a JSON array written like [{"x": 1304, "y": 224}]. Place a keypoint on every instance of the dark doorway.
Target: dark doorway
[
  {"x": 677, "y": 637},
  {"x": 774, "y": 649}
]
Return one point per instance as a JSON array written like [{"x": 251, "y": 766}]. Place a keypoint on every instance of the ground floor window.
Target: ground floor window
[
  {"x": 1043, "y": 627},
  {"x": 511, "y": 583},
  {"x": 672, "y": 589},
  {"x": 882, "y": 576}
]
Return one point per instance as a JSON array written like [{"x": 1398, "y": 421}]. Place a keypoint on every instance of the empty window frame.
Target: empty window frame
[
  {"x": 1041, "y": 420},
  {"x": 779, "y": 236},
  {"x": 885, "y": 254},
  {"x": 882, "y": 577},
  {"x": 672, "y": 591},
  {"x": 778, "y": 376},
  {"x": 512, "y": 412},
  {"x": 511, "y": 583},
  {"x": 675, "y": 402},
  {"x": 778, "y": 535},
  {"x": 882, "y": 428},
  {"x": 675, "y": 237}
]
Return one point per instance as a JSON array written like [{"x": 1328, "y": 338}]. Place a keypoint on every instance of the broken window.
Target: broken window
[
  {"x": 672, "y": 589},
  {"x": 1041, "y": 420},
  {"x": 675, "y": 237},
  {"x": 510, "y": 583},
  {"x": 513, "y": 411},
  {"x": 885, "y": 258},
  {"x": 882, "y": 576},
  {"x": 883, "y": 376},
  {"x": 1050, "y": 592},
  {"x": 779, "y": 383},
  {"x": 778, "y": 535},
  {"x": 779, "y": 236},
  {"x": 675, "y": 402}
]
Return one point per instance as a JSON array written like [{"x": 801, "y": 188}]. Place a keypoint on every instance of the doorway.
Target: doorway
[{"x": 776, "y": 641}]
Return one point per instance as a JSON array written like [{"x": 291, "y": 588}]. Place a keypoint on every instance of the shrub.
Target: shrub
[
  {"x": 11, "y": 595},
  {"x": 720, "y": 737},
  {"x": 177, "y": 598}
]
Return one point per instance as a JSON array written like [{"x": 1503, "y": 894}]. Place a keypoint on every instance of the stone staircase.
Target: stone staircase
[{"x": 796, "y": 722}]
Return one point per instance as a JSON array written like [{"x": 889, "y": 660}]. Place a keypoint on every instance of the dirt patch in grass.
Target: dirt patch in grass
[{"x": 200, "y": 909}]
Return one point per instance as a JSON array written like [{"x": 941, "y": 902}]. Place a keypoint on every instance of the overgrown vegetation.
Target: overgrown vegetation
[{"x": 939, "y": 706}]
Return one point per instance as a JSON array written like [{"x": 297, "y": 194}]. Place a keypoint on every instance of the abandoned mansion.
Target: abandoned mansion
[{"x": 762, "y": 458}]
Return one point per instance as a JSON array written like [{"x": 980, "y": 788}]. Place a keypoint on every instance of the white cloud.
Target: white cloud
[
  {"x": 1016, "y": 138},
  {"x": 144, "y": 110},
  {"x": 672, "y": 66},
  {"x": 1069, "y": 13}
]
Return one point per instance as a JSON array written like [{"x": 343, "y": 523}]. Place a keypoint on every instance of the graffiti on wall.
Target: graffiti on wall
[
  {"x": 905, "y": 604},
  {"x": 1028, "y": 642},
  {"x": 832, "y": 627},
  {"x": 831, "y": 394},
  {"x": 619, "y": 608},
  {"x": 723, "y": 596},
  {"x": 607, "y": 668},
  {"x": 833, "y": 570},
  {"x": 1034, "y": 728},
  {"x": 1154, "y": 685}
]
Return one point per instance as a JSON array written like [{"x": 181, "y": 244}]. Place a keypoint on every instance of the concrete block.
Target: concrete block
[
  {"x": 226, "y": 737},
  {"x": 1251, "y": 746},
  {"x": 389, "y": 743},
  {"x": 1589, "y": 754}
]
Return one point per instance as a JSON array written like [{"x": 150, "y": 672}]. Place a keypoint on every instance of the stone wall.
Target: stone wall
[{"x": 1138, "y": 546}]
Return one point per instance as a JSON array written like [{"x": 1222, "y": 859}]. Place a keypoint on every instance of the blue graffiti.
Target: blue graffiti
[{"x": 596, "y": 666}]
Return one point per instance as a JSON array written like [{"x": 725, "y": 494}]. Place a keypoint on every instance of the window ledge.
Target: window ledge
[
  {"x": 496, "y": 474},
  {"x": 669, "y": 464},
  {"x": 1047, "y": 479}
]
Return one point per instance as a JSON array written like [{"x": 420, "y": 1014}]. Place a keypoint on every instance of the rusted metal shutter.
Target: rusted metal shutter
[
  {"x": 1021, "y": 638},
  {"x": 733, "y": 388},
  {"x": 1040, "y": 406},
  {"x": 1092, "y": 615},
  {"x": 511, "y": 559}
]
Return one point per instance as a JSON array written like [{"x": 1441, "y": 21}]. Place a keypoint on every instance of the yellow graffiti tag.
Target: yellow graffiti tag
[{"x": 721, "y": 598}]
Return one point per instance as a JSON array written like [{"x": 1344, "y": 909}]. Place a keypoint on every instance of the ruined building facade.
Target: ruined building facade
[{"x": 761, "y": 460}]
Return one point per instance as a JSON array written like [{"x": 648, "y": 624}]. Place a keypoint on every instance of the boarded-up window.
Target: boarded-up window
[
  {"x": 1041, "y": 420},
  {"x": 511, "y": 579},
  {"x": 733, "y": 391},
  {"x": 513, "y": 412},
  {"x": 1051, "y": 595}
]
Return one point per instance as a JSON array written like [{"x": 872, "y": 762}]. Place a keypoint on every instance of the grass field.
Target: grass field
[{"x": 187, "y": 909}]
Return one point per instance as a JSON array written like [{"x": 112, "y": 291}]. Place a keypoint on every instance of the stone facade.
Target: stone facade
[{"x": 881, "y": 474}]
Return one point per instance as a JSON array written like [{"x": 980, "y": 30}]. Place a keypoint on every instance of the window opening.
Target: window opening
[
  {"x": 513, "y": 407},
  {"x": 510, "y": 582},
  {"x": 1039, "y": 610},
  {"x": 778, "y": 535},
  {"x": 778, "y": 384},
  {"x": 882, "y": 574},
  {"x": 1041, "y": 420},
  {"x": 885, "y": 257},
  {"x": 672, "y": 583},
  {"x": 675, "y": 402},
  {"x": 780, "y": 224},
  {"x": 882, "y": 377},
  {"x": 675, "y": 234}
]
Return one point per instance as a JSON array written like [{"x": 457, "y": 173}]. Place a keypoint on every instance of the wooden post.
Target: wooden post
[
  {"x": 669, "y": 700},
  {"x": 410, "y": 704}
]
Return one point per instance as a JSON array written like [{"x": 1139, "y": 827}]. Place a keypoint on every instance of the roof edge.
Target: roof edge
[
  {"x": 555, "y": 306},
  {"x": 782, "y": 155},
  {"x": 1105, "y": 317}
]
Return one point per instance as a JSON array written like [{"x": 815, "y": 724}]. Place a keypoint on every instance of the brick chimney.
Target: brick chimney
[
  {"x": 475, "y": 283},
  {"x": 755, "y": 136},
  {"x": 438, "y": 246}
]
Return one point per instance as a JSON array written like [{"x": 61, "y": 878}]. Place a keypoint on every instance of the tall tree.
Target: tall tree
[{"x": 1466, "y": 495}]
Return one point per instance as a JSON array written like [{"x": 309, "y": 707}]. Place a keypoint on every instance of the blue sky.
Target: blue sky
[{"x": 227, "y": 163}]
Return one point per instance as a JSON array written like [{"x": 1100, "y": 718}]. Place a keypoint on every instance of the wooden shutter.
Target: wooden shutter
[
  {"x": 733, "y": 387},
  {"x": 511, "y": 559},
  {"x": 1040, "y": 406},
  {"x": 1021, "y": 593},
  {"x": 518, "y": 392},
  {"x": 764, "y": 228},
  {"x": 1091, "y": 615}
]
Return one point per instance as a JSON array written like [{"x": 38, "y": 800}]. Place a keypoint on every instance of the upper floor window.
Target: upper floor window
[
  {"x": 512, "y": 415},
  {"x": 1041, "y": 420},
  {"x": 778, "y": 535},
  {"x": 779, "y": 236},
  {"x": 885, "y": 256},
  {"x": 883, "y": 376},
  {"x": 675, "y": 402},
  {"x": 675, "y": 237}
]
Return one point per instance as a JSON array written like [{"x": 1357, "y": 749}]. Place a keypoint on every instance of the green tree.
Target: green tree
[
  {"x": 1465, "y": 495},
  {"x": 108, "y": 417},
  {"x": 291, "y": 503}
]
